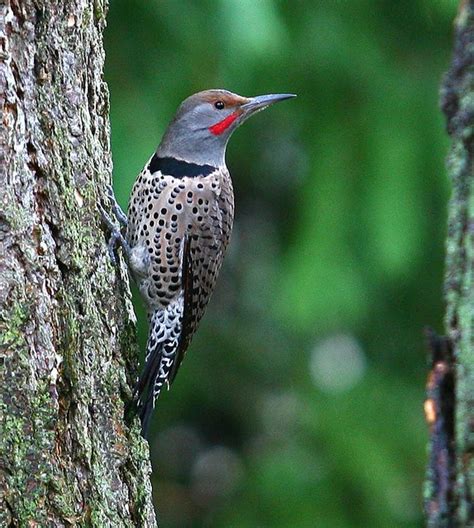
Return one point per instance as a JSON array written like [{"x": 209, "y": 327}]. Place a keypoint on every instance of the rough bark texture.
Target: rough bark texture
[
  {"x": 67, "y": 344},
  {"x": 450, "y": 501}
]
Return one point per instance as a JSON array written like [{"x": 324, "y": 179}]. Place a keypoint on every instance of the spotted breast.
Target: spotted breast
[{"x": 179, "y": 225}]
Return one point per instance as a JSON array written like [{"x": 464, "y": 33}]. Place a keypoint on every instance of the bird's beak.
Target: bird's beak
[{"x": 262, "y": 101}]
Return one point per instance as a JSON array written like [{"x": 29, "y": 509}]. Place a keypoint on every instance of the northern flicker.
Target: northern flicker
[{"x": 179, "y": 224}]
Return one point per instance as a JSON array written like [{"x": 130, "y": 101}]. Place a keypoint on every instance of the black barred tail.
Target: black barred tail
[
  {"x": 161, "y": 355},
  {"x": 155, "y": 374}
]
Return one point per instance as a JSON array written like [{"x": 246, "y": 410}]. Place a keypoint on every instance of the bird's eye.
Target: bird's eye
[{"x": 219, "y": 105}]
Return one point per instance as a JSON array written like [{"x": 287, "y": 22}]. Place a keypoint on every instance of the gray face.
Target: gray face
[
  {"x": 189, "y": 136},
  {"x": 204, "y": 123}
]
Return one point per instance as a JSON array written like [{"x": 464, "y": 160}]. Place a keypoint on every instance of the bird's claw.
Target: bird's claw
[
  {"x": 116, "y": 209},
  {"x": 116, "y": 237}
]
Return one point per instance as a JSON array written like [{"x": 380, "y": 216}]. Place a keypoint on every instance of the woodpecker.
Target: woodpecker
[{"x": 180, "y": 220}]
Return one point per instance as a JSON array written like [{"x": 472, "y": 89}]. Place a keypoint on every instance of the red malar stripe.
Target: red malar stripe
[{"x": 223, "y": 125}]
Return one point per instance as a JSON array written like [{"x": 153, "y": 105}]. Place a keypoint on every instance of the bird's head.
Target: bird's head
[{"x": 205, "y": 121}]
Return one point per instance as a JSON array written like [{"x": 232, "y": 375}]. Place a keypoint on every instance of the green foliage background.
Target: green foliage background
[{"x": 300, "y": 401}]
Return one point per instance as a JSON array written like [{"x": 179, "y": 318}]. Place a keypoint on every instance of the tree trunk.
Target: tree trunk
[
  {"x": 67, "y": 339},
  {"x": 450, "y": 404}
]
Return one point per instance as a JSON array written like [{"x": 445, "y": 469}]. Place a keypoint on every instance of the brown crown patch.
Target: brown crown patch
[{"x": 228, "y": 98}]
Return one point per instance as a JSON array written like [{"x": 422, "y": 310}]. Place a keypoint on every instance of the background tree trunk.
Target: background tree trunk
[
  {"x": 450, "y": 404},
  {"x": 67, "y": 341}
]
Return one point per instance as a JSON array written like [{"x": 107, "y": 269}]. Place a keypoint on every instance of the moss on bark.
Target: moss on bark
[
  {"x": 450, "y": 480},
  {"x": 67, "y": 339}
]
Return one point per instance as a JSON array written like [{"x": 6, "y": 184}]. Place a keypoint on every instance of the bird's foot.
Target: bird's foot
[
  {"x": 116, "y": 209},
  {"x": 116, "y": 237}
]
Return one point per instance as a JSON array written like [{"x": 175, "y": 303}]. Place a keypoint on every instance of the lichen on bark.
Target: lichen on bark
[
  {"x": 450, "y": 500},
  {"x": 67, "y": 339}
]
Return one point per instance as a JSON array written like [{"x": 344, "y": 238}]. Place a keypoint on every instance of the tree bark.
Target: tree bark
[
  {"x": 450, "y": 405},
  {"x": 67, "y": 340}
]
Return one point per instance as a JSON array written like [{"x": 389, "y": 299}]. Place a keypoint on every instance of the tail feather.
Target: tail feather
[
  {"x": 155, "y": 375},
  {"x": 143, "y": 393},
  {"x": 162, "y": 345},
  {"x": 145, "y": 411},
  {"x": 149, "y": 372}
]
